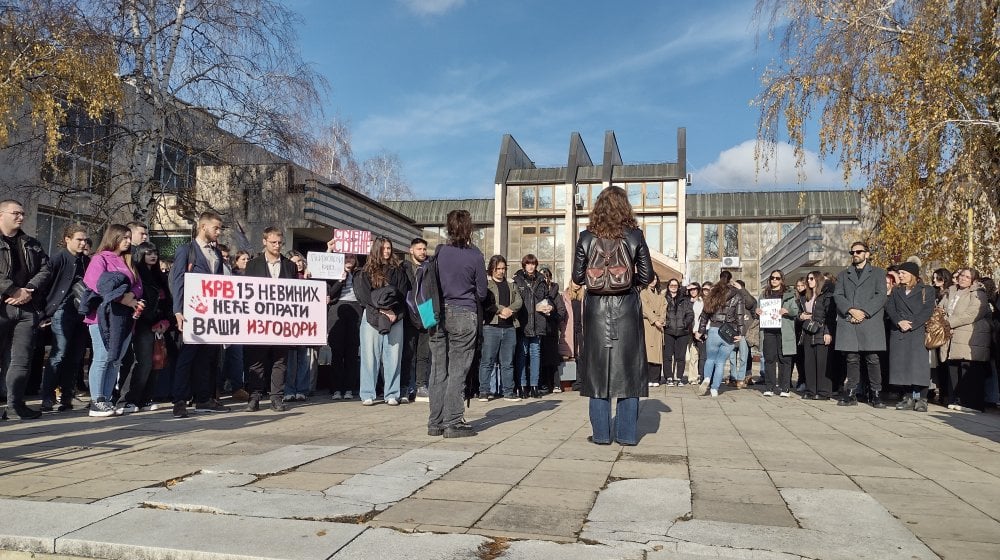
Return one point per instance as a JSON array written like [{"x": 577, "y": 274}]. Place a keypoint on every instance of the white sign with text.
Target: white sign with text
[{"x": 325, "y": 266}]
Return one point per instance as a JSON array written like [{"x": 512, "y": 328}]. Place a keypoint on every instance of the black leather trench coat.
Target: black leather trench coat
[{"x": 613, "y": 344}]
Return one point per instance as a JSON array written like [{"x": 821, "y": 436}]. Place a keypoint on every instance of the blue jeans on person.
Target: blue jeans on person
[
  {"x": 498, "y": 348},
  {"x": 453, "y": 345},
  {"x": 297, "y": 374},
  {"x": 529, "y": 359},
  {"x": 384, "y": 349},
  {"x": 232, "y": 366},
  {"x": 718, "y": 351},
  {"x": 66, "y": 356},
  {"x": 738, "y": 360},
  {"x": 626, "y": 420},
  {"x": 104, "y": 368}
]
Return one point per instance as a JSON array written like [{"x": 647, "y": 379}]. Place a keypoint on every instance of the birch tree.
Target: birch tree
[{"x": 905, "y": 93}]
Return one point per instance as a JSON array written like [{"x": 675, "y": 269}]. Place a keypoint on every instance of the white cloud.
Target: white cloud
[
  {"x": 735, "y": 168},
  {"x": 431, "y": 7}
]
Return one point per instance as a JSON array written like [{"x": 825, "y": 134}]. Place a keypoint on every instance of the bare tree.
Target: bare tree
[
  {"x": 332, "y": 154},
  {"x": 189, "y": 65},
  {"x": 383, "y": 179}
]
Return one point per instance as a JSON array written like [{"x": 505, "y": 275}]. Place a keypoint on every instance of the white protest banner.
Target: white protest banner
[
  {"x": 326, "y": 266},
  {"x": 249, "y": 310},
  {"x": 352, "y": 241},
  {"x": 770, "y": 316}
]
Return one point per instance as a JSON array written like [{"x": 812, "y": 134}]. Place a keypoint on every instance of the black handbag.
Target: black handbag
[
  {"x": 728, "y": 333},
  {"x": 812, "y": 327}
]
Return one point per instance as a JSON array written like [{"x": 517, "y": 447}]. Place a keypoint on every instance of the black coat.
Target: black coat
[
  {"x": 680, "y": 315},
  {"x": 396, "y": 279},
  {"x": 258, "y": 268},
  {"x": 908, "y": 360},
  {"x": 614, "y": 347},
  {"x": 62, "y": 276},
  {"x": 825, "y": 313},
  {"x": 114, "y": 320},
  {"x": 532, "y": 291}
]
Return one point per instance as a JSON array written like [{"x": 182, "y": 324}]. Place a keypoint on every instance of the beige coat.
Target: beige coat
[
  {"x": 968, "y": 313},
  {"x": 654, "y": 308}
]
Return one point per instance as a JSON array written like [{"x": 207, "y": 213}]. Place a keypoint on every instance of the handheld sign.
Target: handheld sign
[
  {"x": 352, "y": 241},
  {"x": 325, "y": 266},
  {"x": 249, "y": 310},
  {"x": 770, "y": 317}
]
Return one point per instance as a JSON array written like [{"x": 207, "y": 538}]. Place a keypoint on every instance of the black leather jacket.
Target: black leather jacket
[
  {"x": 61, "y": 267},
  {"x": 732, "y": 313},
  {"x": 38, "y": 271}
]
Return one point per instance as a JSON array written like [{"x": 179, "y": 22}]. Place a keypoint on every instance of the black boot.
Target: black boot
[
  {"x": 534, "y": 392},
  {"x": 876, "y": 400},
  {"x": 849, "y": 398},
  {"x": 906, "y": 403},
  {"x": 26, "y": 413}
]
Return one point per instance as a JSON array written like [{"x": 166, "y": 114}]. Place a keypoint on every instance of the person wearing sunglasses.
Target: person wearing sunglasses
[
  {"x": 860, "y": 296},
  {"x": 778, "y": 344}
]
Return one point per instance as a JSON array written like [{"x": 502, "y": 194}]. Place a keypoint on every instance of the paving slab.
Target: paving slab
[
  {"x": 386, "y": 543},
  {"x": 784, "y": 479},
  {"x": 465, "y": 491},
  {"x": 844, "y": 512},
  {"x": 556, "y": 497},
  {"x": 749, "y": 513},
  {"x": 693, "y": 551},
  {"x": 420, "y": 463},
  {"x": 31, "y": 526},
  {"x": 547, "y": 520},
  {"x": 275, "y": 461},
  {"x": 198, "y": 536},
  {"x": 435, "y": 512},
  {"x": 540, "y": 550},
  {"x": 962, "y": 550}
]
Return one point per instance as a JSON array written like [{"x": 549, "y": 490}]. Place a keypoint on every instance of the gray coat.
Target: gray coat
[
  {"x": 866, "y": 293},
  {"x": 908, "y": 357}
]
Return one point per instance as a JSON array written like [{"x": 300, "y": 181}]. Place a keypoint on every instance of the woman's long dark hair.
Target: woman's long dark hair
[
  {"x": 150, "y": 274},
  {"x": 376, "y": 267},
  {"x": 717, "y": 297}
]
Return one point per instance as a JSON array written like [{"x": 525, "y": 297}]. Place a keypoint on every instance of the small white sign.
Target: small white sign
[
  {"x": 770, "y": 316},
  {"x": 325, "y": 266}
]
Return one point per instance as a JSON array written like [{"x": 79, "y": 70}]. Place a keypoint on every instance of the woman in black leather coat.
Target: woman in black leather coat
[{"x": 612, "y": 324}]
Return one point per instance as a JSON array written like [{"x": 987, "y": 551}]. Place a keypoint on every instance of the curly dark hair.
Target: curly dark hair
[
  {"x": 612, "y": 215},
  {"x": 376, "y": 267}
]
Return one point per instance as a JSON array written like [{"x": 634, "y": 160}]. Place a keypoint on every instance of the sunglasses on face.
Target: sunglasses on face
[
  {"x": 857, "y": 251},
  {"x": 776, "y": 278}
]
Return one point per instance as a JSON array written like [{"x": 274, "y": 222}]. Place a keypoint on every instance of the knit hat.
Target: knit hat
[{"x": 910, "y": 267}]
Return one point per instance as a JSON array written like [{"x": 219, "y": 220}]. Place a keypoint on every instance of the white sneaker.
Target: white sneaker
[
  {"x": 367, "y": 402},
  {"x": 127, "y": 408},
  {"x": 392, "y": 402},
  {"x": 651, "y": 384},
  {"x": 337, "y": 395},
  {"x": 785, "y": 394},
  {"x": 348, "y": 395},
  {"x": 714, "y": 392},
  {"x": 149, "y": 407},
  {"x": 557, "y": 389},
  {"x": 300, "y": 397},
  {"x": 768, "y": 393}
]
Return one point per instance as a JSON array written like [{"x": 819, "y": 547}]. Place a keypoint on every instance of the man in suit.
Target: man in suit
[
  {"x": 268, "y": 361},
  {"x": 860, "y": 298},
  {"x": 201, "y": 256}
]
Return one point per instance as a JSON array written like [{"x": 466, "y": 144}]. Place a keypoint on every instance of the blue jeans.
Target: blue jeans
[
  {"x": 297, "y": 373},
  {"x": 453, "y": 344},
  {"x": 384, "y": 349},
  {"x": 66, "y": 356},
  {"x": 738, "y": 360},
  {"x": 232, "y": 366},
  {"x": 500, "y": 342},
  {"x": 718, "y": 350},
  {"x": 626, "y": 420},
  {"x": 104, "y": 368},
  {"x": 529, "y": 358}
]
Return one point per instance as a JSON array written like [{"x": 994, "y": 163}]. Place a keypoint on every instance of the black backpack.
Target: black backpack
[{"x": 609, "y": 267}]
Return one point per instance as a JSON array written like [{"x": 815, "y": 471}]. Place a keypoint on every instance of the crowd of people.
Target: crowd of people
[{"x": 857, "y": 336}]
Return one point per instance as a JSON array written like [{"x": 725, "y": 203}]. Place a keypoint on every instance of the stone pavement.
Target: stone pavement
[{"x": 739, "y": 476}]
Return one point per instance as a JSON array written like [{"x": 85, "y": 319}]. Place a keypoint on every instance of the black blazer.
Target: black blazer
[
  {"x": 257, "y": 267},
  {"x": 189, "y": 258}
]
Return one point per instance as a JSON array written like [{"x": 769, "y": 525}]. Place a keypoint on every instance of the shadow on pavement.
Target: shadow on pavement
[
  {"x": 524, "y": 409},
  {"x": 650, "y": 412}
]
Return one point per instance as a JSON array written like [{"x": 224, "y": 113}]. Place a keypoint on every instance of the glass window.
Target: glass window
[
  {"x": 711, "y": 241},
  {"x": 731, "y": 240},
  {"x": 595, "y": 191},
  {"x": 560, "y": 196},
  {"x": 545, "y": 230},
  {"x": 670, "y": 237},
  {"x": 654, "y": 195},
  {"x": 546, "y": 247},
  {"x": 528, "y": 230},
  {"x": 545, "y": 196},
  {"x": 768, "y": 236},
  {"x": 527, "y": 198},
  {"x": 694, "y": 271},
  {"x": 513, "y": 197},
  {"x": 634, "y": 191},
  {"x": 560, "y": 244},
  {"x": 670, "y": 193},
  {"x": 786, "y": 229},
  {"x": 693, "y": 241},
  {"x": 710, "y": 270},
  {"x": 654, "y": 236}
]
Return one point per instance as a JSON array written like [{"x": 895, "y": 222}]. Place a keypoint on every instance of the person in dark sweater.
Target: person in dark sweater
[
  {"x": 499, "y": 338},
  {"x": 69, "y": 335},
  {"x": 462, "y": 278}
]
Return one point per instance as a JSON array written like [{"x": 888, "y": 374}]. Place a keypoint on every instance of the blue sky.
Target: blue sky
[{"x": 440, "y": 81}]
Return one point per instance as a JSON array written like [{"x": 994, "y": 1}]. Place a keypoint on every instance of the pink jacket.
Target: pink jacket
[{"x": 107, "y": 261}]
